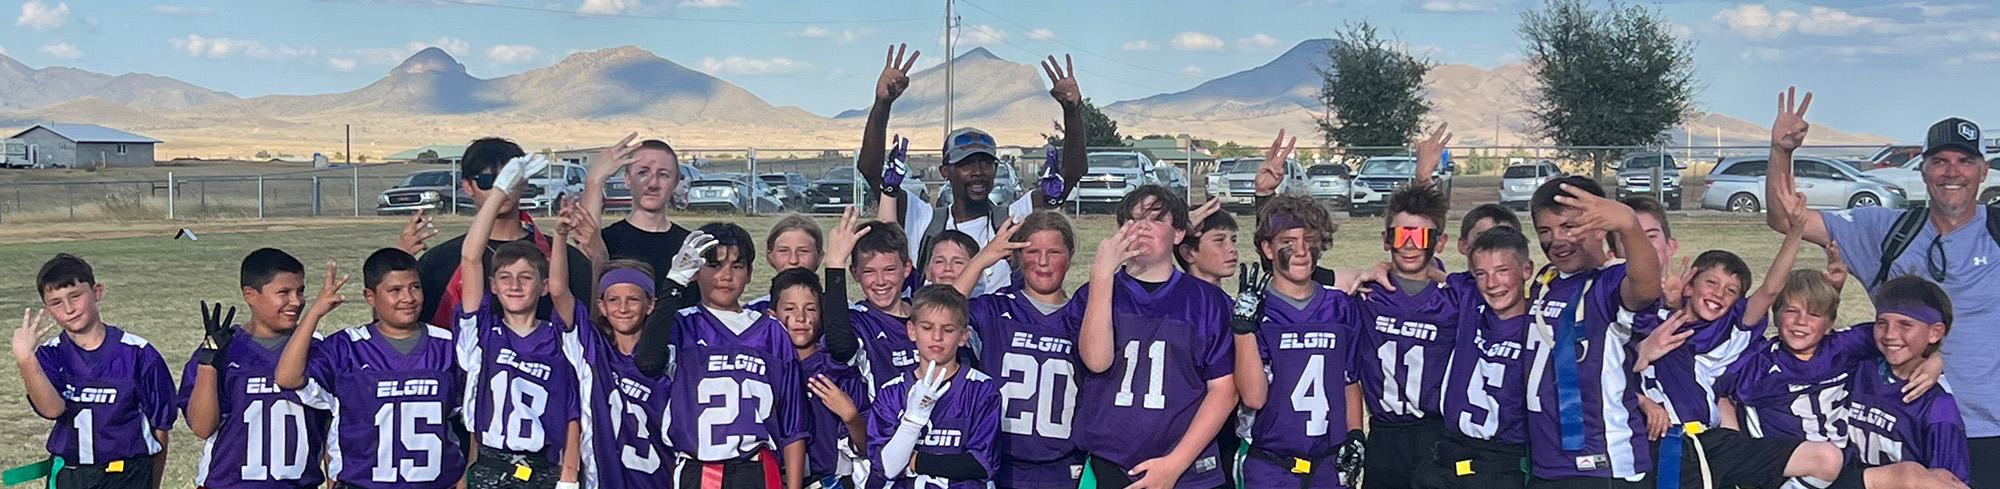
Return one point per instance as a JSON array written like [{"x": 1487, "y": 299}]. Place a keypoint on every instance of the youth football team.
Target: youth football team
[{"x": 1607, "y": 366}]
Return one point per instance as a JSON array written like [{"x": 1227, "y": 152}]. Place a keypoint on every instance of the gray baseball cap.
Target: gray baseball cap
[{"x": 967, "y": 142}]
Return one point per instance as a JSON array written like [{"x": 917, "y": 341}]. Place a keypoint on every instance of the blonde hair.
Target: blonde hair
[{"x": 1812, "y": 290}]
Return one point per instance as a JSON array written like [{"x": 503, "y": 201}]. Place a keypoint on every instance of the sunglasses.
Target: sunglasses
[
  {"x": 1415, "y": 237},
  {"x": 970, "y": 138},
  {"x": 483, "y": 180}
]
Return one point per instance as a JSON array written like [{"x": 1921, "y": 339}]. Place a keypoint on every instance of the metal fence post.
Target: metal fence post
[
  {"x": 204, "y": 197},
  {"x": 357, "y": 191},
  {"x": 72, "y": 200},
  {"x": 170, "y": 196},
  {"x": 751, "y": 160},
  {"x": 260, "y": 196},
  {"x": 1659, "y": 181},
  {"x": 315, "y": 196}
]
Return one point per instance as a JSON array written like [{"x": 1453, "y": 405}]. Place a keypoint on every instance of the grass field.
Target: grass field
[{"x": 152, "y": 282}]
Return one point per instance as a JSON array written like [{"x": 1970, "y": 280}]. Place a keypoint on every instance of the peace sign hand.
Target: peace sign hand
[
  {"x": 1271, "y": 173},
  {"x": 895, "y": 74},
  {"x": 1789, "y": 131},
  {"x": 415, "y": 233},
  {"x": 612, "y": 158},
  {"x": 329, "y": 292},
  {"x": 1062, "y": 81}
]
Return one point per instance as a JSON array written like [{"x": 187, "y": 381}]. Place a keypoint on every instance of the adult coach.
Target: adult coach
[
  {"x": 438, "y": 269},
  {"x": 652, "y": 172},
  {"x": 969, "y": 165},
  {"x": 1950, "y": 246}
]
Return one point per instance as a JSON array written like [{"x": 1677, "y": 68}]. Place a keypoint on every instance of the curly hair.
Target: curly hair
[
  {"x": 1419, "y": 200},
  {"x": 1288, "y": 212}
]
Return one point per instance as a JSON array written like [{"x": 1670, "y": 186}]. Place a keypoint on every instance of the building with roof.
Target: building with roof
[
  {"x": 78, "y": 145},
  {"x": 429, "y": 153}
]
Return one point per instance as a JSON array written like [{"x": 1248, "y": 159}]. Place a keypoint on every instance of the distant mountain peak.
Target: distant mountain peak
[
  {"x": 430, "y": 60},
  {"x": 978, "y": 53}
]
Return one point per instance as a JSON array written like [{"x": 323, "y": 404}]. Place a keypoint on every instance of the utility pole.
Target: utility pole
[
  {"x": 349, "y": 154},
  {"x": 950, "y": 27}
]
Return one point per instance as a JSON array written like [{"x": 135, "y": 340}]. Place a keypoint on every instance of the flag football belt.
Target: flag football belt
[
  {"x": 34, "y": 470},
  {"x": 762, "y": 461},
  {"x": 525, "y": 463},
  {"x": 1303, "y": 467},
  {"x": 1480, "y": 456},
  {"x": 1671, "y": 445}
]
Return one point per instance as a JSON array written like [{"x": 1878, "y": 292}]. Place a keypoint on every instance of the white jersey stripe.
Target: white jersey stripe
[
  {"x": 1618, "y": 435},
  {"x": 572, "y": 346}
]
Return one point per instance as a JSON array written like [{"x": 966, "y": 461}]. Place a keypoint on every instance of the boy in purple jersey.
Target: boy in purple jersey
[
  {"x": 621, "y": 405},
  {"x": 1155, "y": 345},
  {"x": 1408, "y": 339},
  {"x": 108, "y": 391},
  {"x": 521, "y": 398},
  {"x": 876, "y": 325},
  {"x": 1022, "y": 338},
  {"x": 1300, "y": 339},
  {"x": 394, "y": 379},
  {"x": 1478, "y": 220},
  {"x": 1484, "y": 395},
  {"x": 1209, "y": 251},
  {"x": 839, "y": 432},
  {"x": 1912, "y": 317},
  {"x": 736, "y": 396},
  {"x": 255, "y": 434},
  {"x": 948, "y": 255},
  {"x": 1582, "y": 396},
  {"x": 795, "y": 241},
  {"x": 936, "y": 427}
]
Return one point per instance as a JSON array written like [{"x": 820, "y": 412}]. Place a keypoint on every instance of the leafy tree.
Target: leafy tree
[
  {"x": 263, "y": 155},
  {"x": 1373, "y": 92},
  {"x": 361, "y": 158},
  {"x": 1102, "y": 130},
  {"x": 427, "y": 156},
  {"x": 1612, "y": 77}
]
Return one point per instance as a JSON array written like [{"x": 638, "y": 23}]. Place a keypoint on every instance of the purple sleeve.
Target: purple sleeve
[
  {"x": 1748, "y": 320},
  {"x": 789, "y": 424},
  {"x": 1072, "y": 313},
  {"x": 322, "y": 359},
  {"x": 1945, "y": 445},
  {"x": 155, "y": 386},
  {"x": 1608, "y": 292},
  {"x": 985, "y": 428},
  {"x": 46, "y": 356},
  {"x": 186, "y": 391},
  {"x": 883, "y": 418},
  {"x": 1217, "y": 358},
  {"x": 1857, "y": 341}
]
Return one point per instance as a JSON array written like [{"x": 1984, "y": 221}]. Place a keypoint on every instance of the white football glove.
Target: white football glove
[
  {"x": 517, "y": 171},
  {"x": 689, "y": 259},
  {"x": 932, "y": 382}
]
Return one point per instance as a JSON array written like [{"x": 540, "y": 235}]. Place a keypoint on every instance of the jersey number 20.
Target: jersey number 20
[{"x": 1049, "y": 384}]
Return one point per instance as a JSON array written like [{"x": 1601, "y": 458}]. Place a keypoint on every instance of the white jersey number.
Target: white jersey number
[
  {"x": 1155, "y": 356},
  {"x": 1484, "y": 375},
  {"x": 731, "y": 393},
  {"x": 1309, "y": 396},
  {"x": 398, "y": 423},
  {"x": 1402, "y": 395},
  {"x": 648, "y": 463},
  {"x": 521, "y": 430},
  {"x": 86, "y": 441},
  {"x": 265, "y": 458},
  {"x": 1821, "y": 415},
  {"x": 1051, "y": 386},
  {"x": 1875, "y": 449}
]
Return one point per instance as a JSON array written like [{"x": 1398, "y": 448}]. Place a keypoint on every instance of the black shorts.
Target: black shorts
[
  {"x": 1100, "y": 473},
  {"x": 133, "y": 473},
  {"x": 499, "y": 469},
  {"x": 1730, "y": 458},
  {"x": 1395, "y": 450},
  {"x": 1460, "y": 462},
  {"x": 757, "y": 470},
  {"x": 1988, "y": 448},
  {"x": 1587, "y": 483}
]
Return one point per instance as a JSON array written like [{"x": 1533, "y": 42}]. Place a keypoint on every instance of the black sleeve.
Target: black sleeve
[
  {"x": 957, "y": 466},
  {"x": 434, "y": 272},
  {"x": 582, "y": 283},
  {"x": 835, "y": 321},
  {"x": 651, "y": 354},
  {"x": 1323, "y": 276}
]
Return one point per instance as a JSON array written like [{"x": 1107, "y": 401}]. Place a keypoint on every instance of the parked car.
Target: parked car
[
  {"x": 1894, "y": 156},
  {"x": 1910, "y": 177},
  {"x": 1177, "y": 180},
  {"x": 1737, "y": 184},
  {"x": 431, "y": 190},
  {"x": 1006, "y": 187},
  {"x": 1329, "y": 183},
  {"x": 788, "y": 187},
  {"x": 731, "y": 192},
  {"x": 1518, "y": 182},
  {"x": 556, "y": 185},
  {"x": 843, "y": 186},
  {"x": 1238, "y": 186},
  {"x": 1635, "y": 176},
  {"x": 1113, "y": 174},
  {"x": 1381, "y": 175}
]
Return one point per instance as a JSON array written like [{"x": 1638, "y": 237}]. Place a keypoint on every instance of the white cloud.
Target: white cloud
[
  {"x": 341, "y": 64},
  {"x": 180, "y": 10},
  {"x": 41, "y": 16},
  {"x": 1754, "y": 20},
  {"x": 1140, "y": 45},
  {"x": 1042, "y": 33},
  {"x": 709, "y": 4},
  {"x": 980, "y": 34},
  {"x": 1197, "y": 41},
  {"x": 1940, "y": 11},
  {"x": 508, "y": 54},
  {"x": 456, "y": 47},
  {"x": 200, "y": 46},
  {"x": 741, "y": 65},
  {"x": 1191, "y": 70},
  {"x": 62, "y": 50},
  {"x": 607, "y": 7},
  {"x": 843, "y": 35},
  {"x": 1456, "y": 6},
  {"x": 3, "y": 50},
  {"x": 1259, "y": 41}
]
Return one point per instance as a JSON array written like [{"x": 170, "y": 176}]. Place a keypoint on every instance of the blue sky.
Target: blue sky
[{"x": 1884, "y": 67}]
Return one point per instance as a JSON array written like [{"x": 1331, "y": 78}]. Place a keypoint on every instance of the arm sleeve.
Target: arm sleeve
[
  {"x": 156, "y": 389},
  {"x": 1859, "y": 233},
  {"x": 319, "y": 374},
  {"x": 434, "y": 272},
  {"x": 186, "y": 391},
  {"x": 1945, "y": 445},
  {"x": 656, "y": 339},
  {"x": 884, "y": 418},
  {"x": 582, "y": 278},
  {"x": 1217, "y": 358},
  {"x": 836, "y": 321}
]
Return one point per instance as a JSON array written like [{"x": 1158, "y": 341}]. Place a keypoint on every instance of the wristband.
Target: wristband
[{"x": 568, "y": 485}]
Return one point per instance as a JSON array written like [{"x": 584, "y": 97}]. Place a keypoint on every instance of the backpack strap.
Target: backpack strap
[
  {"x": 1993, "y": 223},
  {"x": 1901, "y": 233}
]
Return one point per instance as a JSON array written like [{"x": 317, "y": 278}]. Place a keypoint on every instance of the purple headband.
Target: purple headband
[
  {"x": 1914, "y": 309},
  {"x": 617, "y": 276}
]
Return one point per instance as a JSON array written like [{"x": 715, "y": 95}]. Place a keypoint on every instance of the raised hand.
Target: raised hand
[
  {"x": 840, "y": 239},
  {"x": 898, "y": 165},
  {"x": 419, "y": 229},
  {"x": 1003, "y": 245},
  {"x": 216, "y": 334},
  {"x": 1113, "y": 251},
  {"x": 514, "y": 175},
  {"x": 1200, "y": 214},
  {"x": 1599, "y": 213},
  {"x": 1250, "y": 284},
  {"x": 30, "y": 334},
  {"x": 932, "y": 382},
  {"x": 1836, "y": 270},
  {"x": 1674, "y": 282},
  {"x": 329, "y": 291},
  {"x": 580, "y": 225},
  {"x": 895, "y": 74},
  {"x": 1430, "y": 151},
  {"x": 1272, "y": 173},
  {"x": 1062, "y": 81},
  {"x": 689, "y": 259},
  {"x": 1789, "y": 131},
  {"x": 837, "y": 401},
  {"x": 1663, "y": 339},
  {"x": 612, "y": 158}
]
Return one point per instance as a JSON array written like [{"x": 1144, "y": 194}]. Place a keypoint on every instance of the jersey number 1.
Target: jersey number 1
[
  {"x": 264, "y": 458},
  {"x": 397, "y": 423},
  {"x": 520, "y": 431},
  {"x": 1155, "y": 357}
]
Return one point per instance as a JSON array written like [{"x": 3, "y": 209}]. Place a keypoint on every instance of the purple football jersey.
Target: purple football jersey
[
  {"x": 1167, "y": 344},
  {"x": 391, "y": 410},
  {"x": 965, "y": 420},
  {"x": 1614, "y": 444},
  {"x": 521, "y": 391},
  {"x": 621, "y": 411},
  {"x": 1683, "y": 379},
  {"x": 734, "y": 393},
  {"x": 1485, "y": 391},
  {"x": 1777, "y": 395},
  {"x": 828, "y": 445},
  {"x": 1882, "y": 429},
  {"x": 1410, "y": 342},
  {"x": 265, "y": 436},
  {"x": 1309, "y": 355},
  {"x": 114, "y": 397},
  {"x": 885, "y": 344},
  {"x": 1033, "y": 355}
]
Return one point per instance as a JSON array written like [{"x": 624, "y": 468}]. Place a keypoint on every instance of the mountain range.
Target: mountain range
[{"x": 590, "y": 98}]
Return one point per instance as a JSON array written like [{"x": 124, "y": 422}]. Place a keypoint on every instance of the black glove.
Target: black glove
[
  {"x": 1250, "y": 284},
  {"x": 1349, "y": 456},
  {"x": 216, "y": 334}
]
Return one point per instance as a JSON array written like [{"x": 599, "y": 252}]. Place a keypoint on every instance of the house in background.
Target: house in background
[
  {"x": 78, "y": 145},
  {"x": 430, "y": 153}
]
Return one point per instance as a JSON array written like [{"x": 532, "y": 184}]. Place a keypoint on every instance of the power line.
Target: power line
[
  {"x": 471, "y": 3},
  {"x": 1075, "y": 47}
]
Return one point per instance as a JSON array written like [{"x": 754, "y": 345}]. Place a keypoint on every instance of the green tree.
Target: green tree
[
  {"x": 1373, "y": 92},
  {"x": 1612, "y": 77},
  {"x": 1102, "y": 130},
  {"x": 263, "y": 155},
  {"x": 427, "y": 156}
]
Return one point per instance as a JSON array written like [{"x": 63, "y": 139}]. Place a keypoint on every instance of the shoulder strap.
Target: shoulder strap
[
  {"x": 1901, "y": 233},
  {"x": 1993, "y": 223}
]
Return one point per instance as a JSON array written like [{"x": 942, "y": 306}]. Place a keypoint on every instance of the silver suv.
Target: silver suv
[
  {"x": 1518, "y": 182},
  {"x": 1635, "y": 176},
  {"x": 1237, "y": 187},
  {"x": 1737, "y": 185},
  {"x": 1113, "y": 174}
]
